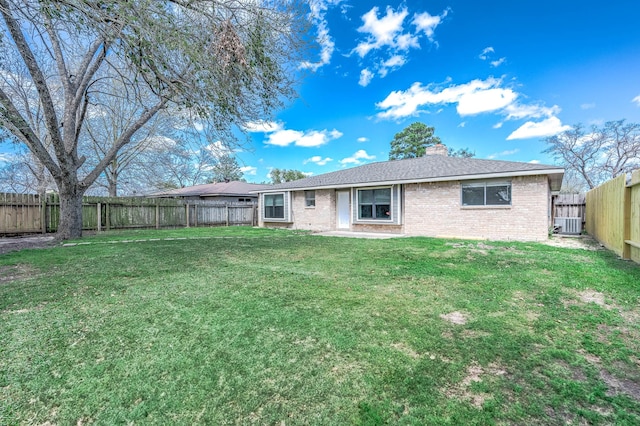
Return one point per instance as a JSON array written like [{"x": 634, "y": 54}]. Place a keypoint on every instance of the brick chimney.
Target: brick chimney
[{"x": 437, "y": 149}]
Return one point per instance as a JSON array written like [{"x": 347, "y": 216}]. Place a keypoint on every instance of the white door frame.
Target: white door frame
[{"x": 343, "y": 209}]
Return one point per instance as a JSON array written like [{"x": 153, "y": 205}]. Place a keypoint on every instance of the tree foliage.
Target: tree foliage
[
  {"x": 413, "y": 141},
  {"x": 285, "y": 175},
  {"x": 462, "y": 153},
  {"x": 226, "y": 62},
  {"x": 226, "y": 169},
  {"x": 595, "y": 155}
]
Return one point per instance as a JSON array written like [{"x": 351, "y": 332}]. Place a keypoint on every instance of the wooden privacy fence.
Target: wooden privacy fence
[
  {"x": 569, "y": 205},
  {"x": 613, "y": 215},
  {"x": 22, "y": 214}
]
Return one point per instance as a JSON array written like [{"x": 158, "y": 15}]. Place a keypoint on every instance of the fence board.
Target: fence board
[
  {"x": 605, "y": 213},
  {"x": 634, "y": 217},
  {"x": 21, "y": 213},
  {"x": 570, "y": 205}
]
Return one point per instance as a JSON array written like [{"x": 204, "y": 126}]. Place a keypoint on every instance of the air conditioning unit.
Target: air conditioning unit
[{"x": 568, "y": 225}]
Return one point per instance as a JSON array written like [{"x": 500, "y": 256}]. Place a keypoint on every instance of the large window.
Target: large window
[
  {"x": 374, "y": 204},
  {"x": 310, "y": 198},
  {"x": 486, "y": 194},
  {"x": 274, "y": 206}
]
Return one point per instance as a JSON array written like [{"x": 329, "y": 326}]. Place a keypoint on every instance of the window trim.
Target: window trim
[
  {"x": 485, "y": 184},
  {"x": 310, "y": 202},
  {"x": 390, "y": 220},
  {"x": 284, "y": 207}
]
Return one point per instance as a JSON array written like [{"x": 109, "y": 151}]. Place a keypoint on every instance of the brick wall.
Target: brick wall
[
  {"x": 322, "y": 217},
  {"x": 434, "y": 209}
]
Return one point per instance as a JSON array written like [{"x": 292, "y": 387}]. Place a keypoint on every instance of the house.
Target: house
[
  {"x": 224, "y": 192},
  {"x": 435, "y": 195}
]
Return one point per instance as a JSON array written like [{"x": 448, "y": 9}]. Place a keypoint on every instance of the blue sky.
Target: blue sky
[{"x": 495, "y": 77}]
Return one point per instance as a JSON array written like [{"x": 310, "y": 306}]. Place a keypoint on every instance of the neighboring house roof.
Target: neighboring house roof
[
  {"x": 430, "y": 168},
  {"x": 220, "y": 189}
]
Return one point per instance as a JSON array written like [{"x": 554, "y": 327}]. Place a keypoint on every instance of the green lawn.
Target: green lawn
[{"x": 254, "y": 326}]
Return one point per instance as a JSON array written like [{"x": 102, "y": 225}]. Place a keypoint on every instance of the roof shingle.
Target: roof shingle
[{"x": 430, "y": 167}]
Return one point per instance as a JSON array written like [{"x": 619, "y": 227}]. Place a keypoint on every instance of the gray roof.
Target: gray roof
[
  {"x": 220, "y": 189},
  {"x": 430, "y": 168}
]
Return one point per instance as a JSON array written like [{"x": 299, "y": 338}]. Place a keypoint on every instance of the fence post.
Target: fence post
[
  {"x": 626, "y": 227},
  {"x": 227, "y": 213},
  {"x": 107, "y": 216},
  {"x": 43, "y": 213},
  {"x": 195, "y": 215},
  {"x": 99, "y": 216},
  {"x": 157, "y": 215},
  {"x": 186, "y": 212}
]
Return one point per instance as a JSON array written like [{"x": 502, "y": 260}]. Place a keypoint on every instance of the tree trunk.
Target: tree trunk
[
  {"x": 70, "y": 225},
  {"x": 113, "y": 189}
]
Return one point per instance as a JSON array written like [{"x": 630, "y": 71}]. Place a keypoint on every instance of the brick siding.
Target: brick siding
[{"x": 435, "y": 210}]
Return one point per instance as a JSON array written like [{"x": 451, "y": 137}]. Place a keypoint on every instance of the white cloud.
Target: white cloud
[
  {"x": 363, "y": 139},
  {"x": 518, "y": 111},
  {"x": 548, "y": 127},
  {"x": 479, "y": 101},
  {"x": 384, "y": 31},
  {"x": 498, "y": 62},
  {"x": 279, "y": 136},
  {"x": 485, "y": 53},
  {"x": 636, "y": 100},
  {"x": 503, "y": 153},
  {"x": 365, "y": 77},
  {"x": 475, "y": 97},
  {"x": 472, "y": 98},
  {"x": 391, "y": 64},
  {"x": 593, "y": 105},
  {"x": 318, "y": 160},
  {"x": 310, "y": 138},
  {"x": 393, "y": 37},
  {"x": 357, "y": 158},
  {"x": 249, "y": 170},
  {"x": 534, "y": 162},
  {"x": 427, "y": 23},
  {"x": 319, "y": 9}
]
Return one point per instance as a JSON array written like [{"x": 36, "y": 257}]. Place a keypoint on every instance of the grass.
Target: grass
[{"x": 277, "y": 327}]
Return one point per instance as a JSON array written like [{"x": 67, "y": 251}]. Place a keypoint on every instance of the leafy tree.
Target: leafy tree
[
  {"x": 596, "y": 155},
  {"x": 285, "y": 175},
  {"x": 228, "y": 63},
  {"x": 413, "y": 141},
  {"x": 462, "y": 153},
  {"x": 226, "y": 169}
]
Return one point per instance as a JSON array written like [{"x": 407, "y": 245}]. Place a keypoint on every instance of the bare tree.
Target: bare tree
[
  {"x": 228, "y": 61},
  {"x": 599, "y": 154}
]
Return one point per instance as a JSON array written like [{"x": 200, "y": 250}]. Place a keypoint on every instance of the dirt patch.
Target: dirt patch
[
  {"x": 588, "y": 296},
  {"x": 591, "y": 296},
  {"x": 14, "y": 273},
  {"x": 405, "y": 349},
  {"x": 583, "y": 242},
  {"x": 20, "y": 243},
  {"x": 617, "y": 385},
  {"x": 475, "y": 373},
  {"x": 455, "y": 318}
]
